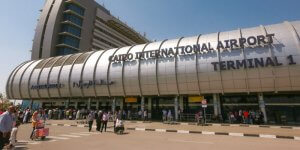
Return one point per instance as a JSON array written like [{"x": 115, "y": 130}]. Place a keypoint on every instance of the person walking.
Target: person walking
[
  {"x": 164, "y": 112},
  {"x": 50, "y": 114},
  {"x": 90, "y": 119},
  {"x": 169, "y": 115},
  {"x": 34, "y": 121},
  {"x": 129, "y": 115},
  {"x": 99, "y": 120},
  {"x": 246, "y": 116},
  {"x": 6, "y": 125},
  {"x": 145, "y": 115},
  {"x": 78, "y": 114},
  {"x": 26, "y": 115},
  {"x": 13, "y": 135},
  {"x": 104, "y": 121}
]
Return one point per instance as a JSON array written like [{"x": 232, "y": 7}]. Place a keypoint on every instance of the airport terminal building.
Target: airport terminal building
[
  {"x": 251, "y": 69},
  {"x": 72, "y": 26}
]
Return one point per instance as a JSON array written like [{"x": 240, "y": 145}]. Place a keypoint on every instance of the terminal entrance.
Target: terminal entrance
[
  {"x": 283, "y": 109},
  {"x": 159, "y": 104},
  {"x": 234, "y": 106}
]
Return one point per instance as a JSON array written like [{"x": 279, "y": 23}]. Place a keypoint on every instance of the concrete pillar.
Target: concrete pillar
[
  {"x": 89, "y": 103},
  {"x": 31, "y": 103},
  {"x": 181, "y": 103},
  {"x": 97, "y": 104},
  {"x": 217, "y": 106},
  {"x": 113, "y": 105},
  {"x": 76, "y": 105},
  {"x": 176, "y": 107},
  {"x": 262, "y": 106},
  {"x": 67, "y": 103},
  {"x": 121, "y": 103},
  {"x": 149, "y": 107}
]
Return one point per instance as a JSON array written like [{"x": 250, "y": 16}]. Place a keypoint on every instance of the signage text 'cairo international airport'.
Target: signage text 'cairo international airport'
[{"x": 206, "y": 48}]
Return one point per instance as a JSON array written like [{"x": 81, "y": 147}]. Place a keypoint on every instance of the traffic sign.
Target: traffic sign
[{"x": 204, "y": 103}]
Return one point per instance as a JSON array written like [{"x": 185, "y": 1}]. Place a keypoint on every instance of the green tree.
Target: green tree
[{"x": 4, "y": 103}]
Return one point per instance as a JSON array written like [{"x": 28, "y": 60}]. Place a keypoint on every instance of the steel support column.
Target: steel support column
[
  {"x": 217, "y": 106},
  {"x": 176, "y": 107},
  {"x": 262, "y": 106}
]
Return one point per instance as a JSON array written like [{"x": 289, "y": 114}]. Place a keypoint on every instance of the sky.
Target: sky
[{"x": 159, "y": 19}]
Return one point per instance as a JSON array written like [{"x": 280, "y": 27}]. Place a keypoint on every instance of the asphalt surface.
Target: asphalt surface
[{"x": 77, "y": 138}]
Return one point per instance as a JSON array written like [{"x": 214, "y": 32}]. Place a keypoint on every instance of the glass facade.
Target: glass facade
[
  {"x": 283, "y": 108},
  {"x": 74, "y": 19},
  {"x": 69, "y": 41},
  {"x": 71, "y": 29},
  {"x": 75, "y": 8}
]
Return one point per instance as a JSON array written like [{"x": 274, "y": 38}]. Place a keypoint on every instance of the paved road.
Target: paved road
[
  {"x": 232, "y": 129},
  {"x": 76, "y": 138}
]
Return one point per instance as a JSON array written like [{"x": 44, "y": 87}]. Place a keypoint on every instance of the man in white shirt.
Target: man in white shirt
[{"x": 6, "y": 124}]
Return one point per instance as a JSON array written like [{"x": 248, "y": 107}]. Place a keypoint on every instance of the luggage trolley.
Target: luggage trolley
[{"x": 40, "y": 131}]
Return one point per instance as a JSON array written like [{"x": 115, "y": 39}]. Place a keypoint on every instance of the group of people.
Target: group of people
[
  {"x": 11, "y": 119},
  {"x": 167, "y": 115},
  {"x": 8, "y": 127},
  {"x": 102, "y": 118},
  {"x": 246, "y": 117},
  {"x": 70, "y": 114}
]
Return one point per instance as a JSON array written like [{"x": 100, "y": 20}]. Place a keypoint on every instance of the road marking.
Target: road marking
[
  {"x": 267, "y": 136},
  {"x": 80, "y": 134},
  {"x": 234, "y": 125},
  {"x": 67, "y": 125},
  {"x": 208, "y": 133},
  {"x": 185, "y": 141},
  {"x": 275, "y": 127},
  {"x": 21, "y": 141},
  {"x": 216, "y": 125},
  {"x": 89, "y": 132},
  {"x": 110, "y": 130},
  {"x": 182, "y": 131},
  {"x": 160, "y": 130},
  {"x": 184, "y": 123},
  {"x": 34, "y": 143},
  {"x": 297, "y": 138},
  {"x": 57, "y": 137},
  {"x": 140, "y": 129},
  {"x": 52, "y": 141},
  {"x": 20, "y": 146},
  {"x": 81, "y": 126},
  {"x": 236, "y": 134},
  {"x": 75, "y": 136}
]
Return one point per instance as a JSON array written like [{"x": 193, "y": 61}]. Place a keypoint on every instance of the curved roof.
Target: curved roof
[{"x": 258, "y": 59}]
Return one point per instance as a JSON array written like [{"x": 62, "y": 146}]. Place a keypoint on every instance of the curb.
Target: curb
[
  {"x": 269, "y": 136},
  {"x": 222, "y": 124},
  {"x": 218, "y": 133}
]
